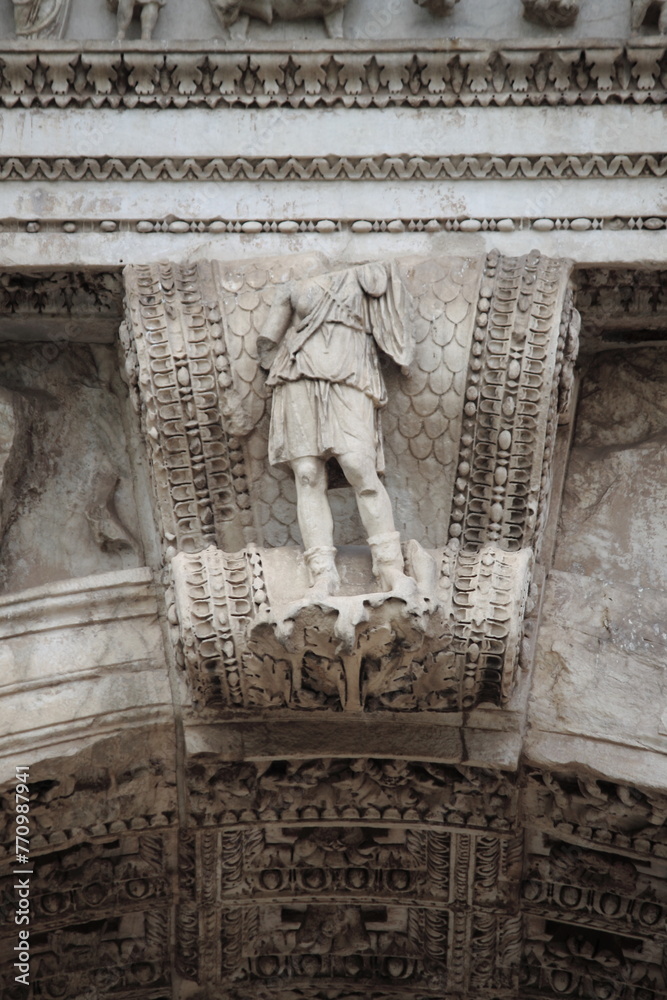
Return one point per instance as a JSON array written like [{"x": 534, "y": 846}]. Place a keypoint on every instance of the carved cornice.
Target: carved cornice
[
  {"x": 382, "y": 167},
  {"x": 622, "y": 304},
  {"x": 440, "y": 73}
]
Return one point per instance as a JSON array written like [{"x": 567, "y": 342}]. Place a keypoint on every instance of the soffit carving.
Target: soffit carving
[
  {"x": 319, "y": 879},
  {"x": 615, "y": 303}
]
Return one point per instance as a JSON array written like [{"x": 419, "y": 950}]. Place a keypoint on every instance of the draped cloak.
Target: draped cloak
[{"x": 328, "y": 387}]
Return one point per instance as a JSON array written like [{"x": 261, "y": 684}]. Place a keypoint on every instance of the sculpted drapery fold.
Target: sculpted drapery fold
[
  {"x": 40, "y": 18},
  {"x": 327, "y": 331}
]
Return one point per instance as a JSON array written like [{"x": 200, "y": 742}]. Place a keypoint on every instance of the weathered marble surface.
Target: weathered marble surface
[
  {"x": 612, "y": 524},
  {"x": 375, "y": 848},
  {"x": 599, "y": 693},
  {"x": 74, "y": 511},
  {"x": 80, "y": 659},
  {"x": 588, "y": 186}
]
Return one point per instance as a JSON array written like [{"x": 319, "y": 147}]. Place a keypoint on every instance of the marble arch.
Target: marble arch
[{"x": 425, "y": 757}]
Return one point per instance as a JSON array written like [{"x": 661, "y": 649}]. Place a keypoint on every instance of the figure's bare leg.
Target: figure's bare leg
[
  {"x": 313, "y": 510},
  {"x": 149, "y": 16},
  {"x": 639, "y": 8},
  {"x": 316, "y": 524},
  {"x": 373, "y": 500},
  {"x": 124, "y": 17},
  {"x": 378, "y": 520},
  {"x": 334, "y": 23}
]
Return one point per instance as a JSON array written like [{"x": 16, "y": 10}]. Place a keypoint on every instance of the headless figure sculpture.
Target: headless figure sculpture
[{"x": 321, "y": 341}]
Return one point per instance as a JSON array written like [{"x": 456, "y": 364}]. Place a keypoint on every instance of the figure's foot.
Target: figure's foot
[
  {"x": 389, "y": 566},
  {"x": 238, "y": 30},
  {"x": 334, "y": 24},
  {"x": 324, "y": 578}
]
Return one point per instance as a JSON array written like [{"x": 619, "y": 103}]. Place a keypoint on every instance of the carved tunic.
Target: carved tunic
[
  {"x": 40, "y": 18},
  {"x": 326, "y": 373}
]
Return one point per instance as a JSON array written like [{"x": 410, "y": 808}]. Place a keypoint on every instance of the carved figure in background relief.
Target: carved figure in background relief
[
  {"x": 553, "y": 13},
  {"x": 235, "y": 14},
  {"x": 149, "y": 11},
  {"x": 438, "y": 7},
  {"x": 640, "y": 11},
  {"x": 40, "y": 18},
  {"x": 321, "y": 344}
]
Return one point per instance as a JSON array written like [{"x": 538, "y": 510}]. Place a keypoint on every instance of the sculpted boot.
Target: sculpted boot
[
  {"x": 388, "y": 564},
  {"x": 321, "y": 563}
]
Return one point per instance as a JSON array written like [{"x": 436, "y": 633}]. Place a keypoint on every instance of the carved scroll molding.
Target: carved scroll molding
[
  {"x": 439, "y": 74},
  {"x": 504, "y": 499},
  {"x": 378, "y": 168}
]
